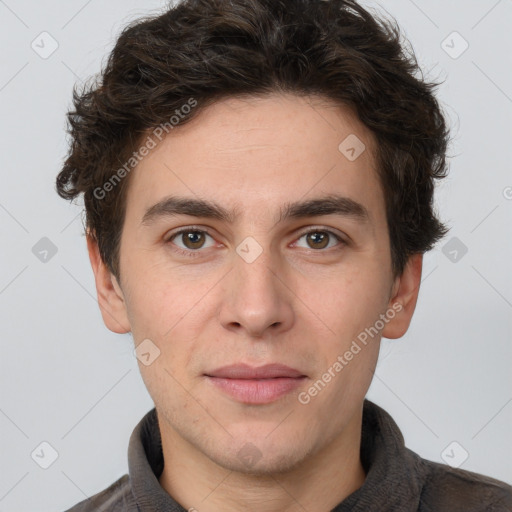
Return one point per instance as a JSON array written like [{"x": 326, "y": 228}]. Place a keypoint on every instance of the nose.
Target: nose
[{"x": 256, "y": 298}]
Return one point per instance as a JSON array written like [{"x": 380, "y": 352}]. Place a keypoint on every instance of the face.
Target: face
[{"x": 260, "y": 275}]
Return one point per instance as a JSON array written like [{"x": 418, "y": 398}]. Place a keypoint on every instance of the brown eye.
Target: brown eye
[
  {"x": 317, "y": 239},
  {"x": 190, "y": 240},
  {"x": 193, "y": 239},
  {"x": 320, "y": 239}
]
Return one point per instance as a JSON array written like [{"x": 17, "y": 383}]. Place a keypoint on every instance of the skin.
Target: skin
[{"x": 296, "y": 304}]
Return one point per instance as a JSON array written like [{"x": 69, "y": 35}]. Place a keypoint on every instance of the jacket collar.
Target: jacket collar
[{"x": 394, "y": 476}]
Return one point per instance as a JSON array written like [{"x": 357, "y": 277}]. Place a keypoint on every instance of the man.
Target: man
[{"x": 258, "y": 179}]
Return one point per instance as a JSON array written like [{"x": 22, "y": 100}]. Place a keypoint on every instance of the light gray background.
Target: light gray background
[{"x": 67, "y": 380}]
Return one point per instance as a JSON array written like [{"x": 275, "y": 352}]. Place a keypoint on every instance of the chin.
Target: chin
[{"x": 261, "y": 458}]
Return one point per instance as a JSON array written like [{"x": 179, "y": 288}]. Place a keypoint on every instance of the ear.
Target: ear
[
  {"x": 405, "y": 294},
  {"x": 110, "y": 297}
]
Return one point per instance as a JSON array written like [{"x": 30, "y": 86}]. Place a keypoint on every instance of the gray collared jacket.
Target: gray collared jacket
[{"x": 397, "y": 479}]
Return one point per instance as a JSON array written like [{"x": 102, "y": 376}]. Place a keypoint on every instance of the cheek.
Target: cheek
[
  {"x": 352, "y": 300},
  {"x": 351, "y": 308},
  {"x": 158, "y": 300},
  {"x": 171, "y": 314}
]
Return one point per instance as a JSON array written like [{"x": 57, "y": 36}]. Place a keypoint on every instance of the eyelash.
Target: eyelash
[{"x": 194, "y": 254}]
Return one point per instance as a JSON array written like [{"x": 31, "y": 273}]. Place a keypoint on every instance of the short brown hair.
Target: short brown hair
[{"x": 213, "y": 49}]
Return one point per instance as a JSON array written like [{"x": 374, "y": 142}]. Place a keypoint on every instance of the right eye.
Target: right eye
[{"x": 192, "y": 239}]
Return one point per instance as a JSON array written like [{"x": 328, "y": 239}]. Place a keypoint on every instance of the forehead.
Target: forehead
[{"x": 260, "y": 153}]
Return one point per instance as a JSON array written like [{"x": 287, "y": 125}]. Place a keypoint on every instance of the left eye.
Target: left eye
[{"x": 320, "y": 238}]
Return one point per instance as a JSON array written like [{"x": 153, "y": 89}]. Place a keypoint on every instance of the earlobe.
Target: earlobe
[
  {"x": 404, "y": 298},
  {"x": 110, "y": 296}
]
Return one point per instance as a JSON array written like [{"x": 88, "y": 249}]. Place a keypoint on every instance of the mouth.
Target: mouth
[{"x": 256, "y": 385}]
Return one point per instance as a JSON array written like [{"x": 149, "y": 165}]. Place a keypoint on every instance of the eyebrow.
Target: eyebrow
[{"x": 328, "y": 205}]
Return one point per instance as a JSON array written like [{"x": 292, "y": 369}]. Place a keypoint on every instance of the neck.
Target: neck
[{"x": 319, "y": 483}]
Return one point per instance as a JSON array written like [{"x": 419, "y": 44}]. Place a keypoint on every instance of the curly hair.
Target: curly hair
[{"x": 207, "y": 50}]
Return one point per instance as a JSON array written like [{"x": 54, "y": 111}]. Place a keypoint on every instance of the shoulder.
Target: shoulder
[
  {"x": 116, "y": 497},
  {"x": 456, "y": 490}
]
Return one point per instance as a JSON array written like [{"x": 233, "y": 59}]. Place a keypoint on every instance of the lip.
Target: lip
[
  {"x": 256, "y": 385},
  {"x": 244, "y": 371}
]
